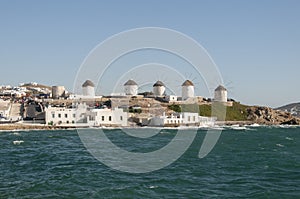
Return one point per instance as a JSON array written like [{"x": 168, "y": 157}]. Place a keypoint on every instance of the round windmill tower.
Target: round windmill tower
[
  {"x": 131, "y": 87},
  {"x": 88, "y": 88},
  {"x": 159, "y": 88},
  {"x": 188, "y": 90},
  {"x": 220, "y": 94}
]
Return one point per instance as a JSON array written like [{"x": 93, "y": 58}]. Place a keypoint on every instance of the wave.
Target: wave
[{"x": 18, "y": 142}]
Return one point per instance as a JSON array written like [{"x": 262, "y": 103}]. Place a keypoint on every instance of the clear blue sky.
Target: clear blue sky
[{"x": 255, "y": 43}]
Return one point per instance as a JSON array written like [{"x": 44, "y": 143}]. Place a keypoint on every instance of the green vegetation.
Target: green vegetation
[
  {"x": 205, "y": 110},
  {"x": 131, "y": 110},
  {"x": 238, "y": 112},
  {"x": 175, "y": 107}
]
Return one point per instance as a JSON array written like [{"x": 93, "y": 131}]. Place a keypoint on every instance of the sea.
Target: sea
[{"x": 250, "y": 162}]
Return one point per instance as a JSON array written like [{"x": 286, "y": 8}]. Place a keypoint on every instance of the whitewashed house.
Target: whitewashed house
[
  {"x": 82, "y": 116},
  {"x": 171, "y": 98},
  {"x": 110, "y": 117},
  {"x": 5, "y": 108},
  {"x": 182, "y": 119}
]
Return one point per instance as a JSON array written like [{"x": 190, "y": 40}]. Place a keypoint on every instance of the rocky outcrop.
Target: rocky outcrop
[{"x": 266, "y": 115}]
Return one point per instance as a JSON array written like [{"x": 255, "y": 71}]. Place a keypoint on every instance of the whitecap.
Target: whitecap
[
  {"x": 288, "y": 138},
  {"x": 153, "y": 187},
  {"x": 255, "y": 125},
  {"x": 279, "y": 145},
  {"x": 17, "y": 142}
]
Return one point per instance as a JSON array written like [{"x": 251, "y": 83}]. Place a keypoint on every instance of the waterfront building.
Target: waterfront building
[
  {"x": 81, "y": 116},
  {"x": 182, "y": 119},
  {"x": 5, "y": 107}
]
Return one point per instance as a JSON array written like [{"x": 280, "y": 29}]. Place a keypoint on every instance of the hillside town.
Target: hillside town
[{"x": 33, "y": 104}]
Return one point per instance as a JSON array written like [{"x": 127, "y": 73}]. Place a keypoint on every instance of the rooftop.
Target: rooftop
[
  {"x": 221, "y": 88},
  {"x": 187, "y": 83},
  {"x": 158, "y": 83},
  {"x": 130, "y": 83},
  {"x": 88, "y": 83}
]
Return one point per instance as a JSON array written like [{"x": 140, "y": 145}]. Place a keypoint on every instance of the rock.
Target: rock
[
  {"x": 293, "y": 121},
  {"x": 266, "y": 115}
]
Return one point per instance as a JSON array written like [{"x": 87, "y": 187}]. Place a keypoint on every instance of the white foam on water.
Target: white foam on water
[
  {"x": 18, "y": 142},
  {"x": 153, "y": 187},
  {"x": 279, "y": 145},
  {"x": 288, "y": 138}
]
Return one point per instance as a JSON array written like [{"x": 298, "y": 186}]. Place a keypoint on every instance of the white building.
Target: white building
[
  {"x": 159, "y": 89},
  {"x": 110, "y": 117},
  {"x": 88, "y": 88},
  {"x": 131, "y": 87},
  {"x": 220, "y": 94},
  {"x": 171, "y": 98},
  {"x": 66, "y": 116},
  {"x": 187, "y": 90},
  {"x": 5, "y": 108},
  {"x": 182, "y": 119},
  {"x": 83, "y": 116}
]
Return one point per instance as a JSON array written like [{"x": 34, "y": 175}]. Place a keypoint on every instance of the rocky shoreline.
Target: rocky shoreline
[
  {"x": 15, "y": 126},
  {"x": 269, "y": 116}
]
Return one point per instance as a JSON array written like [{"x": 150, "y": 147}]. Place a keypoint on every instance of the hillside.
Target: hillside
[
  {"x": 293, "y": 108},
  {"x": 255, "y": 114}
]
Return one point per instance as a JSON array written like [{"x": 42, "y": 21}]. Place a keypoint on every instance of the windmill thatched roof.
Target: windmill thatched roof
[
  {"x": 158, "y": 83},
  {"x": 221, "y": 88},
  {"x": 130, "y": 83},
  {"x": 187, "y": 83},
  {"x": 88, "y": 83}
]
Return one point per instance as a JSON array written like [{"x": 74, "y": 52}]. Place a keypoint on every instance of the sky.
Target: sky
[{"x": 254, "y": 43}]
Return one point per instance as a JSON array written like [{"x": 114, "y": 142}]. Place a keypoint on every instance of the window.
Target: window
[
  {"x": 189, "y": 118},
  {"x": 102, "y": 118},
  {"x": 109, "y": 118},
  {"x": 73, "y": 121},
  {"x": 74, "y": 115},
  {"x": 66, "y": 115},
  {"x": 59, "y": 115},
  {"x": 194, "y": 118},
  {"x": 67, "y": 122},
  {"x": 121, "y": 118},
  {"x": 53, "y": 115}
]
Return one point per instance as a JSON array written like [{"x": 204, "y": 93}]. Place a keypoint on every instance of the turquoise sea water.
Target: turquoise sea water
[{"x": 260, "y": 162}]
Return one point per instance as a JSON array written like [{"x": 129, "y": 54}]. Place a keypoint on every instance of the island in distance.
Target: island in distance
[{"x": 293, "y": 108}]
